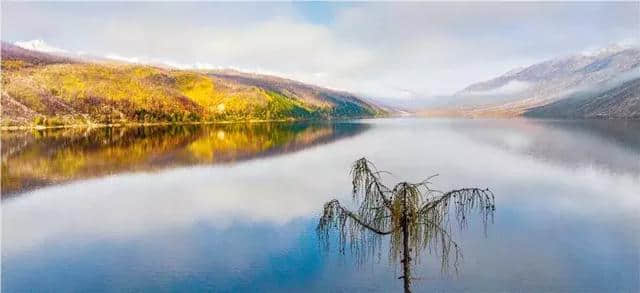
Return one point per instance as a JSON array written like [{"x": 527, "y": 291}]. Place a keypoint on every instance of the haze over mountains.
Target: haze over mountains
[
  {"x": 602, "y": 84},
  {"x": 43, "y": 89},
  {"x": 61, "y": 88}
]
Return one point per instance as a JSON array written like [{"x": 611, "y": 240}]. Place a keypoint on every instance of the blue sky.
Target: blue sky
[{"x": 393, "y": 50}]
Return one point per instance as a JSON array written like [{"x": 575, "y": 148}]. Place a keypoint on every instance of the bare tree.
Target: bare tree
[{"x": 415, "y": 216}]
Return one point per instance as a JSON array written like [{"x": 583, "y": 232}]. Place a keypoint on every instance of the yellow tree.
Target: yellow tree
[{"x": 414, "y": 216}]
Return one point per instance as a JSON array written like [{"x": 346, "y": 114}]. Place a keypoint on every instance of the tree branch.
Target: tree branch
[
  {"x": 453, "y": 193},
  {"x": 336, "y": 204},
  {"x": 371, "y": 172}
]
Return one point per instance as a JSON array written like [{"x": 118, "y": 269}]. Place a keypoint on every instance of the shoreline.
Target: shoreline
[
  {"x": 485, "y": 114},
  {"x": 137, "y": 124},
  {"x": 416, "y": 115}
]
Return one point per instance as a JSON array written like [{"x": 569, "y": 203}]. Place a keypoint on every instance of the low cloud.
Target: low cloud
[
  {"x": 512, "y": 87},
  {"x": 39, "y": 45},
  {"x": 393, "y": 50}
]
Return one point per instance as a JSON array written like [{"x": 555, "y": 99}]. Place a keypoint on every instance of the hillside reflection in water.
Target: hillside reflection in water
[
  {"x": 566, "y": 213},
  {"x": 45, "y": 157}
]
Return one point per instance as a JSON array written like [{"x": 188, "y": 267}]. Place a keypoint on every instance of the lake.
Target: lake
[{"x": 234, "y": 207}]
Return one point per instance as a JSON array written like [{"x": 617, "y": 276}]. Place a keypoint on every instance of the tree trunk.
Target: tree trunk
[{"x": 406, "y": 261}]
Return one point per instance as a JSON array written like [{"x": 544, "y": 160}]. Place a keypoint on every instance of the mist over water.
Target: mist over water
[{"x": 194, "y": 209}]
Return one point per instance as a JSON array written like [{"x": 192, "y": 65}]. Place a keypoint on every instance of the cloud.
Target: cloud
[
  {"x": 39, "y": 45},
  {"x": 512, "y": 87},
  {"x": 122, "y": 58},
  {"x": 395, "y": 50}
]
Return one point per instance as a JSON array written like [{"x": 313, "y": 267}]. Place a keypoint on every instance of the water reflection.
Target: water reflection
[
  {"x": 613, "y": 145},
  {"x": 40, "y": 158},
  {"x": 566, "y": 221}
]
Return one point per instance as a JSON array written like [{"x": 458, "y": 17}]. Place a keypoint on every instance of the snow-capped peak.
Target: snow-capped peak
[
  {"x": 515, "y": 71},
  {"x": 614, "y": 48},
  {"x": 39, "y": 45}
]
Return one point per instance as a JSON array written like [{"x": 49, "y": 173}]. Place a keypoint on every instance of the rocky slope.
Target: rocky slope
[{"x": 40, "y": 89}]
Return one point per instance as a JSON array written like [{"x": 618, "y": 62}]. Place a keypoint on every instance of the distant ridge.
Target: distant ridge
[{"x": 540, "y": 90}]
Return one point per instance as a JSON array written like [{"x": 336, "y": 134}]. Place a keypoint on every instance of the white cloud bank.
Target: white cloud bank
[
  {"x": 39, "y": 45},
  {"x": 511, "y": 87},
  {"x": 394, "y": 50}
]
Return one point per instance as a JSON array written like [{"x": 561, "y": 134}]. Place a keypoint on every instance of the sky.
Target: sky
[{"x": 386, "y": 50}]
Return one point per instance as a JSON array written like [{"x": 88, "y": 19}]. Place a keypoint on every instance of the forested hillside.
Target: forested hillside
[{"x": 40, "y": 89}]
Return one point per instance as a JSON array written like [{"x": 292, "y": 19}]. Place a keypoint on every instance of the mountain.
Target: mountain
[
  {"x": 620, "y": 101},
  {"x": 342, "y": 103},
  {"x": 580, "y": 79},
  {"x": 14, "y": 55},
  {"x": 42, "y": 89}
]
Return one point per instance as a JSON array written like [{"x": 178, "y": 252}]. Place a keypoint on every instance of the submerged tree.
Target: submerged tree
[{"x": 415, "y": 216}]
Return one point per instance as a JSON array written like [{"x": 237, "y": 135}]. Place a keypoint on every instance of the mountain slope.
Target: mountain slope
[
  {"x": 545, "y": 83},
  {"x": 621, "y": 101},
  {"x": 341, "y": 103},
  {"x": 49, "y": 90},
  {"x": 546, "y": 79},
  {"x": 18, "y": 55}
]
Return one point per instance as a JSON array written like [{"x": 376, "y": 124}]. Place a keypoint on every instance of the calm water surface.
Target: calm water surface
[{"x": 233, "y": 208}]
